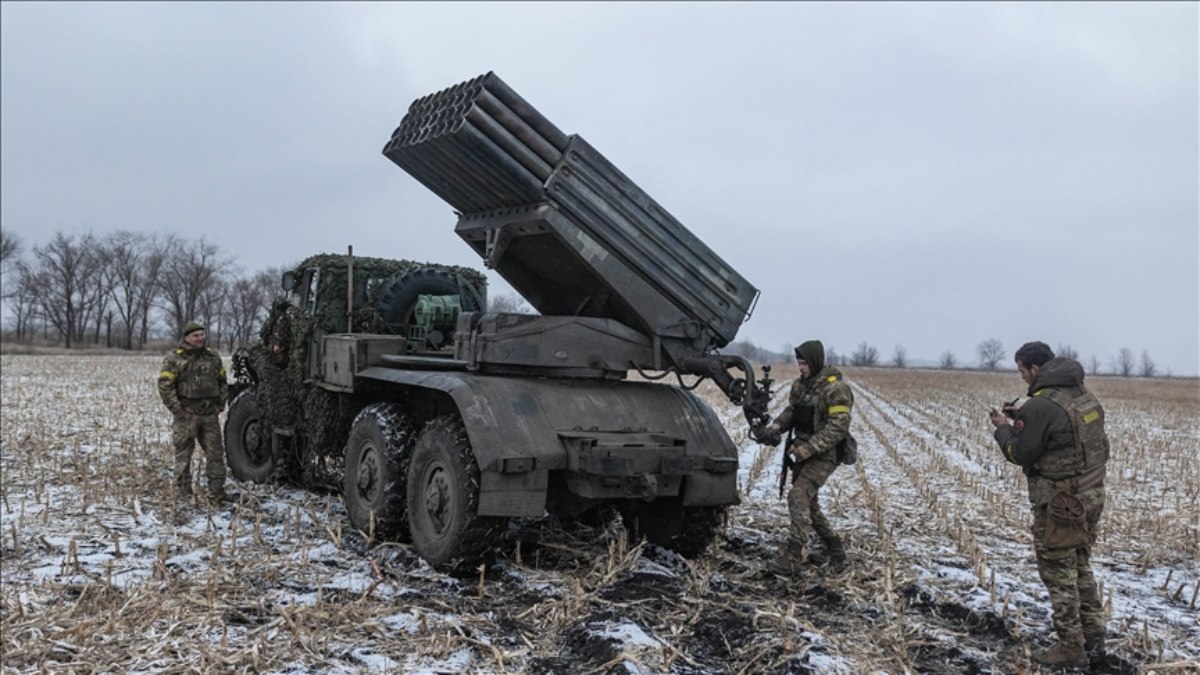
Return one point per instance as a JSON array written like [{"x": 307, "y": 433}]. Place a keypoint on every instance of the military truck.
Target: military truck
[{"x": 445, "y": 421}]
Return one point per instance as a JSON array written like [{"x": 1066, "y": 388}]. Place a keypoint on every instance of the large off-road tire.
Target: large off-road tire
[
  {"x": 374, "y": 484},
  {"x": 443, "y": 500},
  {"x": 397, "y": 299},
  {"x": 687, "y": 530},
  {"x": 247, "y": 440}
]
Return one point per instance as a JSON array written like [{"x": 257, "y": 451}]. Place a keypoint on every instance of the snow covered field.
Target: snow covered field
[{"x": 100, "y": 573}]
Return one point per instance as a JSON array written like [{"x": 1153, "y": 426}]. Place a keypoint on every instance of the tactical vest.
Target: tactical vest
[
  {"x": 199, "y": 375},
  {"x": 1091, "y": 443},
  {"x": 804, "y": 416},
  {"x": 807, "y": 415}
]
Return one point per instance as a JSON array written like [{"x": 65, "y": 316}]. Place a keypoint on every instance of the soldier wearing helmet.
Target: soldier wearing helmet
[{"x": 192, "y": 386}]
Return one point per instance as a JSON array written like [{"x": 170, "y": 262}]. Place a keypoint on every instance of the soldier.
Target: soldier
[
  {"x": 193, "y": 387},
  {"x": 1058, "y": 438},
  {"x": 818, "y": 413}
]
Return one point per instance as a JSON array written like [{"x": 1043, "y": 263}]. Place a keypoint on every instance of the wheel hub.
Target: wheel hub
[
  {"x": 437, "y": 499},
  {"x": 253, "y": 442},
  {"x": 368, "y": 474}
]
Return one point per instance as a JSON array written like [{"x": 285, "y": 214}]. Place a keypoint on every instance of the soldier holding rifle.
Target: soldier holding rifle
[{"x": 817, "y": 419}]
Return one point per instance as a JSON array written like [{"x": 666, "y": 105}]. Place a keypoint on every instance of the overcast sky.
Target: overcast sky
[{"x": 925, "y": 175}]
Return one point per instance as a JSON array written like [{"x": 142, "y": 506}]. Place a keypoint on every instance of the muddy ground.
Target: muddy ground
[{"x": 102, "y": 573}]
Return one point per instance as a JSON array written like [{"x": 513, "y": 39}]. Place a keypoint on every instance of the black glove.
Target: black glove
[{"x": 764, "y": 434}]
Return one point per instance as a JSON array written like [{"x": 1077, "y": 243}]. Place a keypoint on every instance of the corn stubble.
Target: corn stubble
[{"x": 98, "y": 577}]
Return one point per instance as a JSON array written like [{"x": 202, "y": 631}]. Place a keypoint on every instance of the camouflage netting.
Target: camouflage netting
[
  {"x": 322, "y": 419},
  {"x": 370, "y": 275}
]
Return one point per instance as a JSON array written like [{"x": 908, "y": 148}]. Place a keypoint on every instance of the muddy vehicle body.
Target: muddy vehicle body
[{"x": 444, "y": 421}]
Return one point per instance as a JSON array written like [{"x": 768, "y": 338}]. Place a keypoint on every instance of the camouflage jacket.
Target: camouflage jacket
[
  {"x": 1041, "y": 439},
  {"x": 193, "y": 380},
  {"x": 819, "y": 411}
]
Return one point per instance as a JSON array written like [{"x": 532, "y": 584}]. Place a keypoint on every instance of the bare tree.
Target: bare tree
[
  {"x": 510, "y": 303},
  {"x": 10, "y": 246},
  {"x": 23, "y": 300},
  {"x": 63, "y": 274},
  {"x": 900, "y": 357},
  {"x": 1093, "y": 365},
  {"x": 750, "y": 351},
  {"x": 832, "y": 356},
  {"x": 248, "y": 303},
  {"x": 948, "y": 362},
  {"x": 213, "y": 308},
  {"x": 866, "y": 355},
  {"x": 125, "y": 262},
  {"x": 1149, "y": 368},
  {"x": 159, "y": 250},
  {"x": 990, "y": 351},
  {"x": 244, "y": 310},
  {"x": 10, "y": 250},
  {"x": 189, "y": 268},
  {"x": 96, "y": 305},
  {"x": 1122, "y": 363},
  {"x": 1067, "y": 352}
]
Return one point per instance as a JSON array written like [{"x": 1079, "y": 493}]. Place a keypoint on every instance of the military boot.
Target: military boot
[
  {"x": 1093, "y": 644},
  {"x": 217, "y": 493},
  {"x": 817, "y": 559},
  {"x": 784, "y": 566},
  {"x": 1068, "y": 651},
  {"x": 788, "y": 561},
  {"x": 836, "y": 551}
]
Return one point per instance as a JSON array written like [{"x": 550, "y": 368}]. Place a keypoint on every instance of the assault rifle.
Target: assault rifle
[
  {"x": 788, "y": 462},
  {"x": 802, "y": 420}
]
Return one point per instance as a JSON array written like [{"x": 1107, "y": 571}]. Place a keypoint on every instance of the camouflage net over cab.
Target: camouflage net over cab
[
  {"x": 322, "y": 419},
  {"x": 370, "y": 275}
]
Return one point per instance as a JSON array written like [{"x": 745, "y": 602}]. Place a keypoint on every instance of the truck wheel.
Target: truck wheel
[
  {"x": 398, "y": 296},
  {"x": 443, "y": 500},
  {"x": 687, "y": 530},
  {"x": 247, "y": 443},
  {"x": 377, "y": 455}
]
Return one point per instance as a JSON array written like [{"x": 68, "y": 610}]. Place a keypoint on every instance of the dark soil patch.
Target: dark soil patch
[
  {"x": 641, "y": 586},
  {"x": 720, "y": 635}
]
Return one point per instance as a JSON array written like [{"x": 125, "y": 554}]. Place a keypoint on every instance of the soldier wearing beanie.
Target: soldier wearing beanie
[
  {"x": 193, "y": 387},
  {"x": 1058, "y": 438},
  {"x": 818, "y": 414}
]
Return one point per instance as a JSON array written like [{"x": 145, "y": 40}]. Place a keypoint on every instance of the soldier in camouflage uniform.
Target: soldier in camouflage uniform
[
  {"x": 818, "y": 412},
  {"x": 193, "y": 387},
  {"x": 1058, "y": 438}
]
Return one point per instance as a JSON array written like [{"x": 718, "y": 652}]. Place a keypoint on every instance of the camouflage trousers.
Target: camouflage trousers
[
  {"x": 804, "y": 508},
  {"x": 185, "y": 431},
  {"x": 1067, "y": 573}
]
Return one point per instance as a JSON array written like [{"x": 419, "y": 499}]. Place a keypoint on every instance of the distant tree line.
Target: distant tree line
[
  {"x": 124, "y": 289},
  {"x": 990, "y": 355}
]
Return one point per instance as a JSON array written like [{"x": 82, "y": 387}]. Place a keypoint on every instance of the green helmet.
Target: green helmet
[{"x": 191, "y": 327}]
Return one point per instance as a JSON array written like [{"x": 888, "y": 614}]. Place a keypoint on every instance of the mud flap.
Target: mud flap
[
  {"x": 704, "y": 488},
  {"x": 514, "y": 495}
]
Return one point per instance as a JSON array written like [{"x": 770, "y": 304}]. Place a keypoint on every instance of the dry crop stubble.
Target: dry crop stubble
[{"x": 98, "y": 577}]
